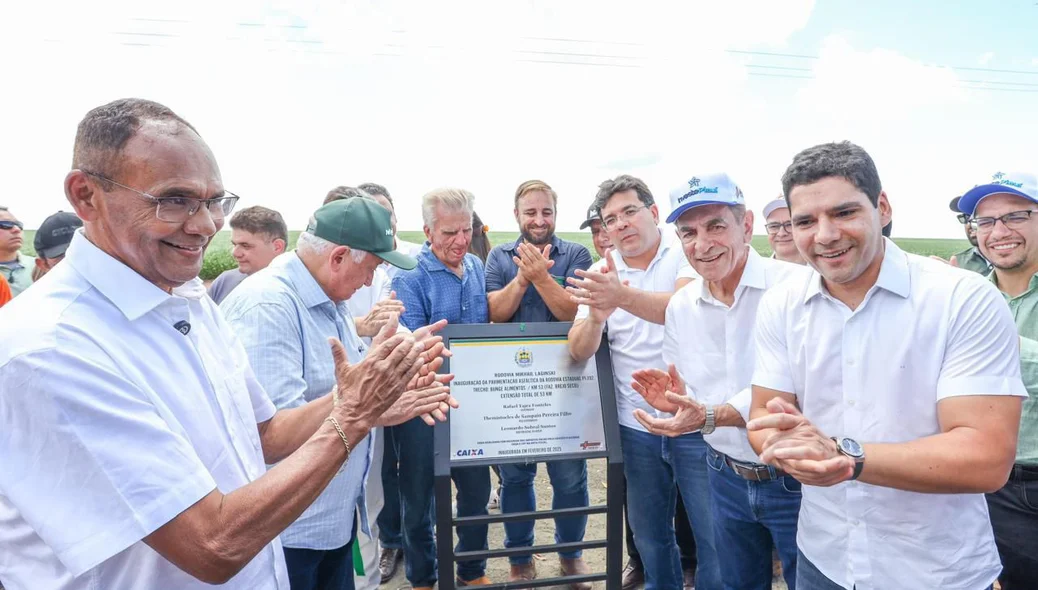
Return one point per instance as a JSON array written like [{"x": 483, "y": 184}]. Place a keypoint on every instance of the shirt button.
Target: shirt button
[
  {"x": 850, "y": 402},
  {"x": 855, "y": 522},
  {"x": 850, "y": 361}
]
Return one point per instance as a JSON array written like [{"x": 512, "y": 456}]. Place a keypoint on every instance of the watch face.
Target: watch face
[{"x": 851, "y": 447}]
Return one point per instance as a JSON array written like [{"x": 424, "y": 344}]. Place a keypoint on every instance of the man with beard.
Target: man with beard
[
  {"x": 970, "y": 258},
  {"x": 1004, "y": 217},
  {"x": 780, "y": 231},
  {"x": 889, "y": 385},
  {"x": 524, "y": 284}
]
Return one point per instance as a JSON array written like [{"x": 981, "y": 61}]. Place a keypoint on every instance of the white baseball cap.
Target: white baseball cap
[
  {"x": 1021, "y": 184},
  {"x": 777, "y": 203},
  {"x": 708, "y": 189}
]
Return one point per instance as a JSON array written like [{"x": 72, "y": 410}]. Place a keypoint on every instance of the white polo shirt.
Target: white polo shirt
[
  {"x": 361, "y": 302},
  {"x": 112, "y": 423},
  {"x": 635, "y": 343},
  {"x": 711, "y": 344},
  {"x": 925, "y": 332}
]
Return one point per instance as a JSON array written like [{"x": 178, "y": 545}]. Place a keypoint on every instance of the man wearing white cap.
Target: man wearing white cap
[
  {"x": 889, "y": 385},
  {"x": 708, "y": 347},
  {"x": 780, "y": 231},
  {"x": 1004, "y": 215},
  {"x": 628, "y": 291}
]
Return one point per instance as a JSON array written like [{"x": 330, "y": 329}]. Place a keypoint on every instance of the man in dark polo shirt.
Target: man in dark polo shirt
[{"x": 525, "y": 284}]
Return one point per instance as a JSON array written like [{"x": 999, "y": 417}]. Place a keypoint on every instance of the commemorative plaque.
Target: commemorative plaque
[{"x": 523, "y": 397}]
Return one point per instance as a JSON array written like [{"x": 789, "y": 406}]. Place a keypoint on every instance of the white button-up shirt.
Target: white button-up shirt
[
  {"x": 924, "y": 332},
  {"x": 711, "y": 344},
  {"x": 635, "y": 343},
  {"x": 112, "y": 422}
]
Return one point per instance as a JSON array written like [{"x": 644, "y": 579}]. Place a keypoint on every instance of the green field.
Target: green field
[{"x": 218, "y": 258}]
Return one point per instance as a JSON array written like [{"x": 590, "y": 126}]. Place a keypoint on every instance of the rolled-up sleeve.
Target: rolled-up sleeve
[
  {"x": 772, "y": 362},
  {"x": 982, "y": 356},
  {"x": 88, "y": 461}
]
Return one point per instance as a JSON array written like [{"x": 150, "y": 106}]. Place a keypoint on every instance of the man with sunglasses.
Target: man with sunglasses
[
  {"x": 780, "y": 231},
  {"x": 1004, "y": 216},
  {"x": 970, "y": 258},
  {"x": 14, "y": 266},
  {"x": 136, "y": 433}
]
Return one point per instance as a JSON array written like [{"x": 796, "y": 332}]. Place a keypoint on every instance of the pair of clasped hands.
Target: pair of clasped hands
[
  {"x": 794, "y": 445},
  {"x": 398, "y": 378}
]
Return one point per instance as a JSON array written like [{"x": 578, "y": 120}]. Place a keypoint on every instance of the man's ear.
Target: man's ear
[{"x": 83, "y": 194}]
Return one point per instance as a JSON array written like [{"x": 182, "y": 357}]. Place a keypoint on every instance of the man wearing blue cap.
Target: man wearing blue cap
[
  {"x": 889, "y": 385},
  {"x": 970, "y": 258},
  {"x": 283, "y": 315},
  {"x": 1004, "y": 215},
  {"x": 708, "y": 347}
]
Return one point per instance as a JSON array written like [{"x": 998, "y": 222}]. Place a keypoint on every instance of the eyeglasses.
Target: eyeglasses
[
  {"x": 963, "y": 218},
  {"x": 180, "y": 209},
  {"x": 1011, "y": 220},
  {"x": 774, "y": 227},
  {"x": 609, "y": 223},
  {"x": 9, "y": 225}
]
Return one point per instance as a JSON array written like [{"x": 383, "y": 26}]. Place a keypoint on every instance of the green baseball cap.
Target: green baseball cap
[{"x": 362, "y": 224}]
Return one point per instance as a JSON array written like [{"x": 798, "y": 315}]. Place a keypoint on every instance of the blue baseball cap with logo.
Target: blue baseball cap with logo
[
  {"x": 708, "y": 189},
  {"x": 1021, "y": 184}
]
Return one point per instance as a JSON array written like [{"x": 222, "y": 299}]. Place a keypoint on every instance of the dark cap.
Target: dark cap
[
  {"x": 954, "y": 205},
  {"x": 362, "y": 224},
  {"x": 55, "y": 234},
  {"x": 593, "y": 214}
]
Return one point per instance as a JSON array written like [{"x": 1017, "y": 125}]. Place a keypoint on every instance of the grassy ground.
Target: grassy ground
[{"x": 218, "y": 258}]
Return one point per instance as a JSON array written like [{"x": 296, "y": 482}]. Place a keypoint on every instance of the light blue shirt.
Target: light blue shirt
[{"x": 284, "y": 319}]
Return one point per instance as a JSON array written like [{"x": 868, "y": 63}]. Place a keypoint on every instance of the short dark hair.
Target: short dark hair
[
  {"x": 345, "y": 192},
  {"x": 843, "y": 159},
  {"x": 260, "y": 220},
  {"x": 105, "y": 130},
  {"x": 376, "y": 189},
  {"x": 623, "y": 183}
]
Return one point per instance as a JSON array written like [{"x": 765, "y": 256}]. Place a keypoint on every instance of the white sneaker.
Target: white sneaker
[{"x": 495, "y": 499}]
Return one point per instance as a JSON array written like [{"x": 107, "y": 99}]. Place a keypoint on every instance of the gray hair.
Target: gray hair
[
  {"x": 452, "y": 200},
  {"x": 311, "y": 245}
]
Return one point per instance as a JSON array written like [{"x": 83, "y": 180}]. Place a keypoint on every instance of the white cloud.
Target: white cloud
[{"x": 986, "y": 58}]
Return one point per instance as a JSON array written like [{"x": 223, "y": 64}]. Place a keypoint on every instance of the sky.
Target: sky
[{"x": 295, "y": 98}]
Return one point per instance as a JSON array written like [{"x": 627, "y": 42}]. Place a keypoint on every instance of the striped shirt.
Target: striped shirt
[{"x": 284, "y": 319}]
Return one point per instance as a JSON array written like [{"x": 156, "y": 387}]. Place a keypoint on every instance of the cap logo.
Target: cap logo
[
  {"x": 62, "y": 231},
  {"x": 693, "y": 184},
  {"x": 998, "y": 176}
]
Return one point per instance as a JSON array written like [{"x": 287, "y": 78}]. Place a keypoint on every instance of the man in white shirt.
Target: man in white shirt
[
  {"x": 135, "y": 433},
  {"x": 912, "y": 367},
  {"x": 708, "y": 347},
  {"x": 628, "y": 291}
]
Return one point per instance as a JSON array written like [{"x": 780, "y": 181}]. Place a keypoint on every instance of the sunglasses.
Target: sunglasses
[{"x": 9, "y": 225}]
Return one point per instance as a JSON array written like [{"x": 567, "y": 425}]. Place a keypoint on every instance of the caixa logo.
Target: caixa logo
[{"x": 469, "y": 453}]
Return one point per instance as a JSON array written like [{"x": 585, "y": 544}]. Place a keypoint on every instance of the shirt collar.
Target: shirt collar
[
  {"x": 131, "y": 293},
  {"x": 753, "y": 277},
  {"x": 893, "y": 274},
  {"x": 1031, "y": 286},
  {"x": 306, "y": 286}
]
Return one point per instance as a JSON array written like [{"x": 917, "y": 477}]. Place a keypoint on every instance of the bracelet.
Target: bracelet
[{"x": 342, "y": 434}]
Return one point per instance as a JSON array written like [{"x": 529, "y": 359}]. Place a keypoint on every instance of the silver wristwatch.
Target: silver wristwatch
[{"x": 709, "y": 426}]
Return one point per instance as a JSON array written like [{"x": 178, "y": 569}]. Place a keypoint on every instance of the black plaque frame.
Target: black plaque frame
[{"x": 613, "y": 508}]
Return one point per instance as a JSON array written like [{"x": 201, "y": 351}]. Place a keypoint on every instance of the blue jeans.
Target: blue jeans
[
  {"x": 414, "y": 440},
  {"x": 569, "y": 490},
  {"x": 389, "y": 534},
  {"x": 659, "y": 467},
  {"x": 750, "y": 518},
  {"x": 310, "y": 569}
]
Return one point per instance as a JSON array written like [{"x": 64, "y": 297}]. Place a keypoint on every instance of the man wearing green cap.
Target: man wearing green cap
[{"x": 284, "y": 315}]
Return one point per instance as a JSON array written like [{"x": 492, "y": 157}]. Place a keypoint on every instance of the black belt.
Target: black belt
[
  {"x": 752, "y": 471},
  {"x": 1024, "y": 473}
]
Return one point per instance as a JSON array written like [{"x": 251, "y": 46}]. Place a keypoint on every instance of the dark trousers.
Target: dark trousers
[
  {"x": 1014, "y": 518},
  {"x": 389, "y": 534},
  {"x": 311, "y": 569}
]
